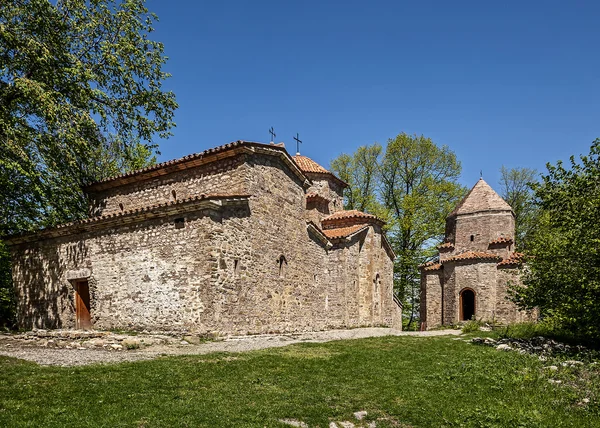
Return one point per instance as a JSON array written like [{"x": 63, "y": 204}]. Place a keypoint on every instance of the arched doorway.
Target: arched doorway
[{"x": 467, "y": 304}]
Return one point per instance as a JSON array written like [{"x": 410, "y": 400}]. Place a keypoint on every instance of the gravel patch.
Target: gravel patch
[{"x": 74, "y": 348}]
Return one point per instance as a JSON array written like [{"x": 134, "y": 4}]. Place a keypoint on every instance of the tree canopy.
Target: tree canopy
[
  {"x": 81, "y": 99},
  {"x": 562, "y": 276},
  {"x": 516, "y": 187},
  {"x": 413, "y": 186}
]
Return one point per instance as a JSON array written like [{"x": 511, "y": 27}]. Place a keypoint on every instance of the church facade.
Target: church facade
[
  {"x": 477, "y": 263},
  {"x": 239, "y": 239}
]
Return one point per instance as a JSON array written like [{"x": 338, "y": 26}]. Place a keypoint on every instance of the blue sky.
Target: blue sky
[{"x": 500, "y": 83}]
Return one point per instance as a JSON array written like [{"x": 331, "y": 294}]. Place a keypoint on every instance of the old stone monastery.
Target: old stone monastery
[{"x": 241, "y": 238}]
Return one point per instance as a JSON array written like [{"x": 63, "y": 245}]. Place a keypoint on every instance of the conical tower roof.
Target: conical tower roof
[{"x": 481, "y": 198}]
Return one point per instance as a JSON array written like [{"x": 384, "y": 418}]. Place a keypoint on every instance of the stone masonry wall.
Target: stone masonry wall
[
  {"x": 223, "y": 176},
  {"x": 484, "y": 227},
  {"x": 431, "y": 298},
  {"x": 243, "y": 269},
  {"x": 329, "y": 189},
  {"x": 507, "y": 311}
]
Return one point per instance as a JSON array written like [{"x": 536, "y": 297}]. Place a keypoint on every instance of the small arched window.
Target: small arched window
[
  {"x": 236, "y": 267},
  {"x": 174, "y": 194},
  {"x": 472, "y": 238},
  {"x": 282, "y": 262},
  {"x": 121, "y": 207}
]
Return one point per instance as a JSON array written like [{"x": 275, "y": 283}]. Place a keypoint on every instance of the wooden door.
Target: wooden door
[{"x": 83, "y": 319}]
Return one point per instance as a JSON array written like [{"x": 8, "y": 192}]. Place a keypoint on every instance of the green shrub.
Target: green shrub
[
  {"x": 471, "y": 326},
  {"x": 549, "y": 328}
]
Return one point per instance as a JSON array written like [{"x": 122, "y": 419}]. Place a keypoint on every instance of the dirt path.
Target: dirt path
[{"x": 68, "y": 348}]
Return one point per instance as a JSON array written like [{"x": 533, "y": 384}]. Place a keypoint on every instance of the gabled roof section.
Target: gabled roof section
[
  {"x": 514, "y": 260},
  {"x": 481, "y": 198},
  {"x": 503, "y": 240},
  {"x": 474, "y": 255},
  {"x": 344, "y": 232},
  {"x": 446, "y": 246},
  {"x": 307, "y": 165},
  {"x": 350, "y": 215},
  {"x": 196, "y": 160},
  {"x": 431, "y": 266}
]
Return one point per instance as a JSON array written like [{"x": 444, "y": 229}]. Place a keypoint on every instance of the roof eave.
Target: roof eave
[
  {"x": 132, "y": 216},
  {"x": 196, "y": 160}
]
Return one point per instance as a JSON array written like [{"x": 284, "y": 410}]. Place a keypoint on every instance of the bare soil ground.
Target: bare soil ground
[{"x": 73, "y": 348}]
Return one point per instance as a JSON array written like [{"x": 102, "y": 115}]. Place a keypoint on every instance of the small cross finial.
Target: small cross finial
[
  {"x": 298, "y": 142},
  {"x": 481, "y": 173},
  {"x": 273, "y": 135}
]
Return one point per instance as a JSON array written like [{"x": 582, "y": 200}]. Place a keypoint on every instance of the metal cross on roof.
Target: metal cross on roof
[
  {"x": 298, "y": 142},
  {"x": 273, "y": 135}
]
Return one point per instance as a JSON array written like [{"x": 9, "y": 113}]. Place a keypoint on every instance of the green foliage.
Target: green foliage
[
  {"x": 399, "y": 381},
  {"x": 80, "y": 93},
  {"x": 547, "y": 328},
  {"x": 563, "y": 268},
  {"x": 361, "y": 171},
  {"x": 80, "y": 100},
  {"x": 516, "y": 187},
  {"x": 471, "y": 326},
  {"x": 412, "y": 185},
  {"x": 7, "y": 303}
]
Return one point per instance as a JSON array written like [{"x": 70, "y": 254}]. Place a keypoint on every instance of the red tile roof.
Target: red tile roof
[
  {"x": 501, "y": 240},
  {"x": 308, "y": 165},
  {"x": 350, "y": 214},
  {"x": 446, "y": 246},
  {"x": 474, "y": 255},
  {"x": 125, "y": 214},
  {"x": 514, "y": 259},
  {"x": 343, "y": 232},
  {"x": 429, "y": 266},
  {"x": 194, "y": 160}
]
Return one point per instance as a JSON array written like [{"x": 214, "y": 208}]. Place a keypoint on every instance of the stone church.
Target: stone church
[
  {"x": 239, "y": 239},
  {"x": 477, "y": 262}
]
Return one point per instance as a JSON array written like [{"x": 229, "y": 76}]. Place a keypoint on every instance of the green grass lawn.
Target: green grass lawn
[{"x": 399, "y": 381}]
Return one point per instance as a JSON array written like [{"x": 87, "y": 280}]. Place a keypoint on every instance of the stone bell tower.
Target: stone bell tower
[{"x": 476, "y": 264}]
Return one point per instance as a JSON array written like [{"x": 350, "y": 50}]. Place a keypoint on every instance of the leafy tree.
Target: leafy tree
[
  {"x": 562, "y": 277},
  {"x": 516, "y": 187},
  {"x": 81, "y": 98},
  {"x": 413, "y": 186},
  {"x": 419, "y": 188},
  {"x": 361, "y": 171}
]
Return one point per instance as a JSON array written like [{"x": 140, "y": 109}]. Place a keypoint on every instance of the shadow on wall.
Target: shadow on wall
[{"x": 43, "y": 294}]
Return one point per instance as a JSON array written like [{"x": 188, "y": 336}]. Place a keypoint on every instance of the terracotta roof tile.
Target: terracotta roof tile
[
  {"x": 514, "y": 259},
  {"x": 189, "y": 161},
  {"x": 446, "y": 246},
  {"x": 474, "y": 255},
  {"x": 481, "y": 198},
  {"x": 350, "y": 214},
  {"x": 131, "y": 212},
  {"x": 308, "y": 165},
  {"x": 343, "y": 232},
  {"x": 501, "y": 240},
  {"x": 429, "y": 266}
]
